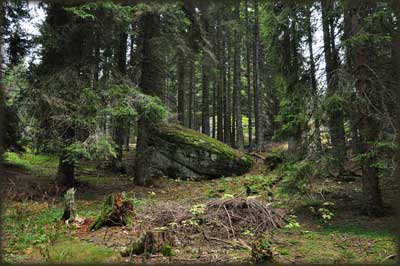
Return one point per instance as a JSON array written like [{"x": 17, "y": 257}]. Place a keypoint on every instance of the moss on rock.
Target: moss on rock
[{"x": 179, "y": 152}]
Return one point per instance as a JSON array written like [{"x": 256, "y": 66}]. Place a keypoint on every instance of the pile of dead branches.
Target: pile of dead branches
[
  {"x": 222, "y": 218},
  {"x": 166, "y": 213},
  {"x": 235, "y": 215}
]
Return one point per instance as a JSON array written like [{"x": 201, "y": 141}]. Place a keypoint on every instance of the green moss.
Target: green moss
[
  {"x": 167, "y": 251},
  {"x": 186, "y": 136},
  {"x": 73, "y": 250}
]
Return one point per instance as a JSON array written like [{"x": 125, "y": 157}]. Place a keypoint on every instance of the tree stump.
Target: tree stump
[
  {"x": 117, "y": 211},
  {"x": 69, "y": 215},
  {"x": 152, "y": 242}
]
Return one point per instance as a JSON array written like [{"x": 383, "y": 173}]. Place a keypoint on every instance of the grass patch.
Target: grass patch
[
  {"x": 37, "y": 163},
  {"x": 74, "y": 250},
  {"x": 30, "y": 223}
]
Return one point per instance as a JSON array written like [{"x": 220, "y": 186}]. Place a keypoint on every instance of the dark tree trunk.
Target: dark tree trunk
[
  {"x": 66, "y": 166},
  {"x": 2, "y": 99},
  {"x": 248, "y": 77},
  {"x": 314, "y": 86},
  {"x": 227, "y": 93},
  {"x": 120, "y": 128},
  {"x": 256, "y": 78},
  {"x": 368, "y": 126},
  {"x": 220, "y": 86},
  {"x": 214, "y": 110},
  {"x": 205, "y": 112},
  {"x": 396, "y": 91},
  {"x": 65, "y": 172},
  {"x": 192, "y": 84},
  {"x": 150, "y": 83},
  {"x": 336, "y": 125},
  {"x": 238, "y": 82},
  {"x": 181, "y": 89}
]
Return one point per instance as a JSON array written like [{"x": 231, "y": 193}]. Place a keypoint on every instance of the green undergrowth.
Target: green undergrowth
[
  {"x": 37, "y": 163},
  {"x": 76, "y": 251},
  {"x": 334, "y": 245},
  {"x": 28, "y": 224}
]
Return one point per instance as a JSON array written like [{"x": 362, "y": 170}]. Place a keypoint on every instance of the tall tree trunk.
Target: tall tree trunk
[
  {"x": 256, "y": 78},
  {"x": 336, "y": 125},
  {"x": 227, "y": 93},
  {"x": 120, "y": 125},
  {"x": 317, "y": 133},
  {"x": 192, "y": 84},
  {"x": 237, "y": 81},
  {"x": 396, "y": 90},
  {"x": 214, "y": 110},
  {"x": 248, "y": 77},
  {"x": 205, "y": 111},
  {"x": 2, "y": 98},
  {"x": 369, "y": 126},
  {"x": 66, "y": 166},
  {"x": 150, "y": 83},
  {"x": 181, "y": 88},
  {"x": 220, "y": 86}
]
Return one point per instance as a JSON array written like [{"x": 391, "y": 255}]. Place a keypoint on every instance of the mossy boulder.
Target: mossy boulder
[{"x": 179, "y": 152}]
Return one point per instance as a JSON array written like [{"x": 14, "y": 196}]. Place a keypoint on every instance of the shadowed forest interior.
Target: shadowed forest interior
[{"x": 200, "y": 131}]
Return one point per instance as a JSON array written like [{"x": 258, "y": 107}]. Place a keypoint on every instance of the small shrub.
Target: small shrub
[{"x": 297, "y": 177}]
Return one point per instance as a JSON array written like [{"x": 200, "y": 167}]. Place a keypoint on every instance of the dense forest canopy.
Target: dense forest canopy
[{"x": 200, "y": 89}]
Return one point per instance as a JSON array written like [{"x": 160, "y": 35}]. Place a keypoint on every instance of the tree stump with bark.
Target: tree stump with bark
[{"x": 117, "y": 211}]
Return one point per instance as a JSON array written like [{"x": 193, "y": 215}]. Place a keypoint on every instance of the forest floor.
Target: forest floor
[{"x": 32, "y": 231}]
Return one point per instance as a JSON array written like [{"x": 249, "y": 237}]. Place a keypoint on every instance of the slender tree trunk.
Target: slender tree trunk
[
  {"x": 256, "y": 78},
  {"x": 248, "y": 77},
  {"x": 214, "y": 110},
  {"x": 192, "y": 73},
  {"x": 317, "y": 133},
  {"x": 237, "y": 81},
  {"x": 2, "y": 98},
  {"x": 220, "y": 88},
  {"x": 120, "y": 128},
  {"x": 336, "y": 125},
  {"x": 205, "y": 112},
  {"x": 396, "y": 92},
  {"x": 227, "y": 94},
  {"x": 181, "y": 88},
  {"x": 369, "y": 126},
  {"x": 150, "y": 83},
  {"x": 66, "y": 166}
]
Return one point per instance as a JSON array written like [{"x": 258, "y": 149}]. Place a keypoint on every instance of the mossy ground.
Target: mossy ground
[{"x": 31, "y": 227}]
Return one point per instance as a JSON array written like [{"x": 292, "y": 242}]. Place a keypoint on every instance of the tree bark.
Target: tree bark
[
  {"x": 237, "y": 81},
  {"x": 227, "y": 93},
  {"x": 192, "y": 84},
  {"x": 181, "y": 88},
  {"x": 396, "y": 91},
  {"x": 256, "y": 78},
  {"x": 336, "y": 125},
  {"x": 369, "y": 126},
  {"x": 248, "y": 77},
  {"x": 2, "y": 98},
  {"x": 314, "y": 86},
  {"x": 220, "y": 85},
  {"x": 150, "y": 83},
  {"x": 120, "y": 129},
  {"x": 205, "y": 111}
]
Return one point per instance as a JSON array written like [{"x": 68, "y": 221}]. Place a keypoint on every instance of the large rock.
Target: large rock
[{"x": 179, "y": 152}]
